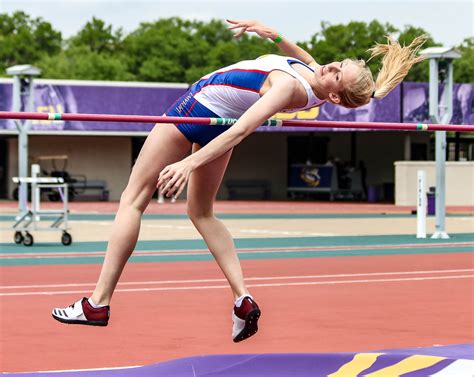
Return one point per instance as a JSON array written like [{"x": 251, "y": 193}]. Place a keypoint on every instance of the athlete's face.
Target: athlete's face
[{"x": 334, "y": 77}]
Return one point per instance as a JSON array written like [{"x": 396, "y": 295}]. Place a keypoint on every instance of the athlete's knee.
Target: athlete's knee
[
  {"x": 136, "y": 198},
  {"x": 198, "y": 213}
]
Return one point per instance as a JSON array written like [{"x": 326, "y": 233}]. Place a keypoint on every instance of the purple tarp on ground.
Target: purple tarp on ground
[
  {"x": 454, "y": 351},
  {"x": 285, "y": 365}
]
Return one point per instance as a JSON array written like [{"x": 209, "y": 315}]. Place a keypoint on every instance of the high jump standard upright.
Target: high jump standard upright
[{"x": 441, "y": 114}]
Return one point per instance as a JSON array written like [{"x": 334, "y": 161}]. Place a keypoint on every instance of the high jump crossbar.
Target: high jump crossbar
[{"x": 231, "y": 121}]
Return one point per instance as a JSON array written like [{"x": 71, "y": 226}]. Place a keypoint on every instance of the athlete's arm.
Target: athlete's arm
[
  {"x": 277, "y": 98},
  {"x": 287, "y": 47}
]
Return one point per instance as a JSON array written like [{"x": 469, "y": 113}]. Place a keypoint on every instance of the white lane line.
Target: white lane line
[
  {"x": 181, "y": 227},
  {"x": 82, "y": 223},
  {"x": 85, "y": 370},
  {"x": 282, "y": 232},
  {"x": 330, "y": 282},
  {"x": 291, "y": 277},
  {"x": 240, "y": 230}
]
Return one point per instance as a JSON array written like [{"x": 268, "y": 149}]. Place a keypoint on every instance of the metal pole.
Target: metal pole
[
  {"x": 440, "y": 200},
  {"x": 23, "y": 128},
  {"x": 407, "y": 147},
  {"x": 22, "y": 144},
  {"x": 434, "y": 83},
  {"x": 440, "y": 206},
  {"x": 35, "y": 191},
  {"x": 441, "y": 145}
]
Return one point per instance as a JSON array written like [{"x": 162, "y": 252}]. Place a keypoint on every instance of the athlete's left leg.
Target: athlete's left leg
[{"x": 202, "y": 189}]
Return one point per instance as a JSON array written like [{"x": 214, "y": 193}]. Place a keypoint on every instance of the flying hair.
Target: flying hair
[{"x": 396, "y": 63}]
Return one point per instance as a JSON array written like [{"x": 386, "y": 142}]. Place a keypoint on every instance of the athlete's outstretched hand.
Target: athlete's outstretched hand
[
  {"x": 173, "y": 178},
  {"x": 252, "y": 26}
]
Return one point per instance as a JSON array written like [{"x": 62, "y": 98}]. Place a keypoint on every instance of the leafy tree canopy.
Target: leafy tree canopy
[
  {"x": 24, "y": 40},
  {"x": 177, "y": 50}
]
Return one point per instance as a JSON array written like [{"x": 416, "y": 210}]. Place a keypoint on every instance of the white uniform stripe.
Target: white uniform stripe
[{"x": 226, "y": 103}]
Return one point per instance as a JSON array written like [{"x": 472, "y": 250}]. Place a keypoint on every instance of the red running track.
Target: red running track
[{"x": 334, "y": 314}]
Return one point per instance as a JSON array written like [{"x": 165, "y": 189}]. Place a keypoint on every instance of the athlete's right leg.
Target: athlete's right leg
[{"x": 163, "y": 146}]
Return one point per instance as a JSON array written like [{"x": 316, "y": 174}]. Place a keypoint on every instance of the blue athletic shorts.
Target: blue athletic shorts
[{"x": 188, "y": 106}]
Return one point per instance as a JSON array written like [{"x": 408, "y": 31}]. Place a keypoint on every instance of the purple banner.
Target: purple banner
[
  {"x": 154, "y": 100},
  {"x": 416, "y": 103},
  {"x": 5, "y": 102},
  {"x": 94, "y": 99}
]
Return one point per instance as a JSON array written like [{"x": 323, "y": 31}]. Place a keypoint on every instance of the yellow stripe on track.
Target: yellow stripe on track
[
  {"x": 410, "y": 364},
  {"x": 358, "y": 364}
]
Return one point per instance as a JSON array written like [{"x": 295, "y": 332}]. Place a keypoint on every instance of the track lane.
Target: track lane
[{"x": 152, "y": 326}]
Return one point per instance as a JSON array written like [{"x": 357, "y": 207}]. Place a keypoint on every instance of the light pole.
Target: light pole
[{"x": 23, "y": 86}]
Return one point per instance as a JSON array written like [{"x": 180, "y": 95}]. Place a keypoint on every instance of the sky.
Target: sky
[{"x": 448, "y": 22}]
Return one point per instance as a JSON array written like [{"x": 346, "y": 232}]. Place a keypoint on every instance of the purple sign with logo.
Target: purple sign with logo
[
  {"x": 94, "y": 99},
  {"x": 407, "y": 103}
]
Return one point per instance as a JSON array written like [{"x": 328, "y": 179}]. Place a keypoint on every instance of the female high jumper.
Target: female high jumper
[{"x": 252, "y": 91}]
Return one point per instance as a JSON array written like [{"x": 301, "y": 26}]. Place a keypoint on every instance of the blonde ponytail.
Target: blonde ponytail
[{"x": 396, "y": 63}]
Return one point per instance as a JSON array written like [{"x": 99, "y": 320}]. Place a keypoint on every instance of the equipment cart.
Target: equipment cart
[{"x": 29, "y": 220}]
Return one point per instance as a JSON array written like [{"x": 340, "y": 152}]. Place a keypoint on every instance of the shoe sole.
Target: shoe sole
[
  {"x": 251, "y": 326},
  {"x": 76, "y": 322}
]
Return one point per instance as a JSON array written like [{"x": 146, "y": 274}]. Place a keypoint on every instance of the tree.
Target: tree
[
  {"x": 464, "y": 66},
  {"x": 24, "y": 40},
  {"x": 94, "y": 53},
  {"x": 163, "y": 50},
  {"x": 177, "y": 50},
  {"x": 337, "y": 42},
  {"x": 80, "y": 63},
  {"x": 98, "y": 37}
]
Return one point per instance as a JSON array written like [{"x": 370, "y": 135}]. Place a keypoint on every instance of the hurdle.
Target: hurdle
[{"x": 231, "y": 121}]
